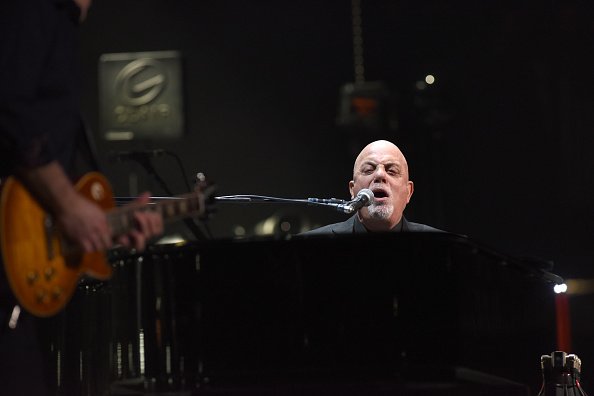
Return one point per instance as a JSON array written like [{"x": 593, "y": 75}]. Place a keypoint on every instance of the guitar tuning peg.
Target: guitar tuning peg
[
  {"x": 202, "y": 182},
  {"x": 200, "y": 177}
]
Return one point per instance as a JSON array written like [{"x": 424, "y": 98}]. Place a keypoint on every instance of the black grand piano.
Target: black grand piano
[{"x": 389, "y": 314}]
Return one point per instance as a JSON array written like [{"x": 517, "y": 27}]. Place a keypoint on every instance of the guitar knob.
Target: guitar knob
[
  {"x": 49, "y": 273},
  {"x": 42, "y": 297},
  {"x": 32, "y": 277}
]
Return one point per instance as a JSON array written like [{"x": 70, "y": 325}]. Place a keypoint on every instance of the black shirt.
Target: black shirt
[
  {"x": 39, "y": 111},
  {"x": 358, "y": 227},
  {"x": 39, "y": 122}
]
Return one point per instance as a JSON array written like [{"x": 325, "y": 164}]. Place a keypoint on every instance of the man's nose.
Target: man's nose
[{"x": 379, "y": 174}]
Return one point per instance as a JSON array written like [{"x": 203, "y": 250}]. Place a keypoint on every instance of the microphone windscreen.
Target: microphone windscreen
[{"x": 366, "y": 195}]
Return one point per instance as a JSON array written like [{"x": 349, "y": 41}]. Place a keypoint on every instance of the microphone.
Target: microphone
[
  {"x": 363, "y": 198},
  {"x": 327, "y": 201},
  {"x": 137, "y": 155}
]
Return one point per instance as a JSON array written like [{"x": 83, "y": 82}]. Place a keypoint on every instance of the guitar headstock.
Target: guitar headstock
[{"x": 206, "y": 189}]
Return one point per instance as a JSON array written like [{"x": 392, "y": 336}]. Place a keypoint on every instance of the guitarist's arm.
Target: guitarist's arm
[{"x": 81, "y": 221}]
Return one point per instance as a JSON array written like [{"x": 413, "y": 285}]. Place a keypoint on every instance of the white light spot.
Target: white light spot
[
  {"x": 14, "y": 317},
  {"x": 429, "y": 79},
  {"x": 562, "y": 288},
  {"x": 239, "y": 231}
]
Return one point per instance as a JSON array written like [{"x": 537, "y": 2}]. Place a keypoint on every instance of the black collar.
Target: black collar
[{"x": 358, "y": 227}]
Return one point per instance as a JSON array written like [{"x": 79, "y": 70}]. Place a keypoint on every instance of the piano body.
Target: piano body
[{"x": 406, "y": 314}]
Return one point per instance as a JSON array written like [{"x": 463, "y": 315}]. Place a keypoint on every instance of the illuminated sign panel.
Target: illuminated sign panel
[{"x": 141, "y": 95}]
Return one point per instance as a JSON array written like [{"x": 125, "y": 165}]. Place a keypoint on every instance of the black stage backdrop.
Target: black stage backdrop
[{"x": 499, "y": 147}]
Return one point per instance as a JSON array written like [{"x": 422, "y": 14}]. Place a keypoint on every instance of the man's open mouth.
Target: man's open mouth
[{"x": 380, "y": 193}]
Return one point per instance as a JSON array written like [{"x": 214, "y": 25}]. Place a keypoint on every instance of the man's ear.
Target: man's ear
[
  {"x": 351, "y": 187},
  {"x": 411, "y": 189}
]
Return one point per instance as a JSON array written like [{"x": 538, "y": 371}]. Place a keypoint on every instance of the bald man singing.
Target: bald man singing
[{"x": 382, "y": 168}]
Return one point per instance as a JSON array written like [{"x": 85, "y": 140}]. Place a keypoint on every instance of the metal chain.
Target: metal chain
[{"x": 357, "y": 41}]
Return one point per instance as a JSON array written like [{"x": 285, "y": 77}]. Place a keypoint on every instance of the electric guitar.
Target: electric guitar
[{"x": 42, "y": 268}]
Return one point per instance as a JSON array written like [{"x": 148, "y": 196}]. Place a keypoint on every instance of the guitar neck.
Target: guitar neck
[{"x": 121, "y": 220}]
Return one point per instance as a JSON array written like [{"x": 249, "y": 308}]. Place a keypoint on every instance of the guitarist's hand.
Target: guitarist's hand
[
  {"x": 82, "y": 221},
  {"x": 84, "y": 224},
  {"x": 147, "y": 225}
]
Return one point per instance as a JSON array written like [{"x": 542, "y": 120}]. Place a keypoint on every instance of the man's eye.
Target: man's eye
[{"x": 367, "y": 171}]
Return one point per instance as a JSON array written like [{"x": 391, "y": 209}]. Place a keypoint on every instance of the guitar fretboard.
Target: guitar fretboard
[{"x": 121, "y": 220}]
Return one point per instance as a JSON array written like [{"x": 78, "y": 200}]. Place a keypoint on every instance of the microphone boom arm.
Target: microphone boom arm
[{"x": 337, "y": 204}]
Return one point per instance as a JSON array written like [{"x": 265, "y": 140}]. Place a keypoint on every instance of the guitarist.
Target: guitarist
[{"x": 42, "y": 142}]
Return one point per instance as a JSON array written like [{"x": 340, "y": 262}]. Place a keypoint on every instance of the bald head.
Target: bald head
[
  {"x": 381, "y": 147},
  {"x": 382, "y": 168}
]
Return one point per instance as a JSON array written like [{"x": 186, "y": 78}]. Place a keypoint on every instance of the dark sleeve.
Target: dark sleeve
[{"x": 26, "y": 35}]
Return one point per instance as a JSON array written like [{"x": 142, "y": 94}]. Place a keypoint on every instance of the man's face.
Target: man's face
[{"x": 382, "y": 168}]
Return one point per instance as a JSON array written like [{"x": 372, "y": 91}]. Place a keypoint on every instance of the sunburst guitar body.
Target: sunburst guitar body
[{"x": 43, "y": 270}]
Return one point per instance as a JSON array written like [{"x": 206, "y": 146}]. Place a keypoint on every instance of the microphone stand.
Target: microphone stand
[
  {"x": 150, "y": 169},
  {"x": 337, "y": 204}
]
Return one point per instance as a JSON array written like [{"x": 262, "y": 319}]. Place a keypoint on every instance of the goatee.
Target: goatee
[{"x": 380, "y": 211}]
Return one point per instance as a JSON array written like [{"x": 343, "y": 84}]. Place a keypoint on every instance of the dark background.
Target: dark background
[{"x": 499, "y": 147}]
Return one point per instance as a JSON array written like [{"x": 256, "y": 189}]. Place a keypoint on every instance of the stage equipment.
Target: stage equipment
[
  {"x": 561, "y": 375},
  {"x": 363, "y": 198},
  {"x": 413, "y": 313}
]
